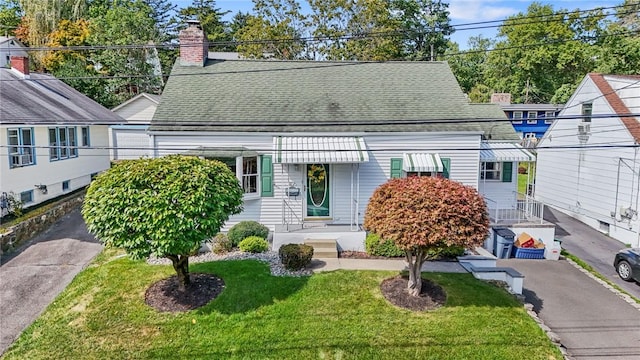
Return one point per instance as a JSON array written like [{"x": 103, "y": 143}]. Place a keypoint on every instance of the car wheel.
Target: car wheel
[{"x": 624, "y": 270}]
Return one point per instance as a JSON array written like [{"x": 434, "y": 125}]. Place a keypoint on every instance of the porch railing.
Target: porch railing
[
  {"x": 289, "y": 215},
  {"x": 523, "y": 208}
]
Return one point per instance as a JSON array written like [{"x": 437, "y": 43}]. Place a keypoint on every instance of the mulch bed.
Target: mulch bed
[
  {"x": 166, "y": 296},
  {"x": 395, "y": 291}
]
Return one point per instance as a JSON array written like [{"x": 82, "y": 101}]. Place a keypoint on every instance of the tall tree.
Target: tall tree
[
  {"x": 423, "y": 213},
  {"x": 354, "y": 30},
  {"x": 210, "y": 18},
  {"x": 425, "y": 26},
  {"x": 540, "y": 51},
  {"x": 164, "y": 207},
  {"x": 274, "y": 30},
  {"x": 620, "y": 46},
  {"x": 469, "y": 66},
  {"x": 132, "y": 69},
  {"x": 41, "y": 18},
  {"x": 10, "y": 15}
]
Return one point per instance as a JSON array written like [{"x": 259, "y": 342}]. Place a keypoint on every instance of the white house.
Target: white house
[
  {"x": 311, "y": 141},
  {"x": 130, "y": 140},
  {"x": 588, "y": 161},
  {"x": 54, "y": 138},
  {"x": 10, "y": 46}
]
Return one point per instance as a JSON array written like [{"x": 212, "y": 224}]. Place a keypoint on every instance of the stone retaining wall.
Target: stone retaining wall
[{"x": 27, "y": 229}]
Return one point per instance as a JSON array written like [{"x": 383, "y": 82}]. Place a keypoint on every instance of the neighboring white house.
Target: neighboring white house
[
  {"x": 311, "y": 141},
  {"x": 131, "y": 141},
  {"x": 588, "y": 161},
  {"x": 10, "y": 46},
  {"x": 54, "y": 138}
]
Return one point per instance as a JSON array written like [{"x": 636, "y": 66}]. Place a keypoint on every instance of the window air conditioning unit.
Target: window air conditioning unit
[
  {"x": 584, "y": 128},
  {"x": 21, "y": 159}
]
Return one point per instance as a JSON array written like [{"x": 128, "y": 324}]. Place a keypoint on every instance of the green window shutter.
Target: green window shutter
[
  {"x": 506, "y": 171},
  {"x": 446, "y": 163},
  {"x": 266, "y": 176},
  {"x": 396, "y": 167}
]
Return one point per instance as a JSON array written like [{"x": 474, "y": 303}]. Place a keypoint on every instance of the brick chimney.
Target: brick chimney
[
  {"x": 20, "y": 64},
  {"x": 501, "y": 98},
  {"x": 194, "y": 47}
]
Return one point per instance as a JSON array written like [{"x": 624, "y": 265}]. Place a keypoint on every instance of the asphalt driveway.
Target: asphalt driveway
[
  {"x": 591, "y": 246},
  {"x": 591, "y": 320},
  {"x": 32, "y": 276}
]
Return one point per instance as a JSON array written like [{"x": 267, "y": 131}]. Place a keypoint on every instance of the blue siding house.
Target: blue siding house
[{"x": 530, "y": 121}]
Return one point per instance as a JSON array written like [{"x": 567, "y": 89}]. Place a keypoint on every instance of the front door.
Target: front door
[{"x": 318, "y": 190}]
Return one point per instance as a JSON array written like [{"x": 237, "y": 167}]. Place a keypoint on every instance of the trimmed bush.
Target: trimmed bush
[
  {"x": 254, "y": 244},
  {"x": 387, "y": 248},
  {"x": 220, "y": 244},
  {"x": 245, "y": 229},
  {"x": 295, "y": 256},
  {"x": 446, "y": 252}
]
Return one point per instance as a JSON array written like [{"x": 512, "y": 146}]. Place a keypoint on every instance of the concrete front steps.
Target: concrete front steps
[{"x": 323, "y": 248}]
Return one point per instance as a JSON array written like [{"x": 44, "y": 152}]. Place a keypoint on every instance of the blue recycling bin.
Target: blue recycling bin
[{"x": 502, "y": 242}]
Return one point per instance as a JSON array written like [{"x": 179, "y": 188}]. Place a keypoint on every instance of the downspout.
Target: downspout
[
  {"x": 351, "y": 221},
  {"x": 615, "y": 206}
]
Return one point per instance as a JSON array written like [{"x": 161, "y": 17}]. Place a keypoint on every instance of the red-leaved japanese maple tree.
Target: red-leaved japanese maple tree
[{"x": 422, "y": 213}]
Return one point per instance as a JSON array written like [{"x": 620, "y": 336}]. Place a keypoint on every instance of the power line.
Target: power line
[{"x": 556, "y": 17}]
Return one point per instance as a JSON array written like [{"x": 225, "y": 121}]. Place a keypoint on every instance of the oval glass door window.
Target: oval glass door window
[{"x": 318, "y": 190}]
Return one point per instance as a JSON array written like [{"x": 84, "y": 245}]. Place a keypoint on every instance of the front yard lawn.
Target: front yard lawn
[{"x": 334, "y": 315}]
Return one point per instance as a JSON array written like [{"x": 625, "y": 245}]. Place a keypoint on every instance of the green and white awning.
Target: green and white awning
[
  {"x": 319, "y": 150},
  {"x": 422, "y": 162},
  {"x": 505, "y": 152}
]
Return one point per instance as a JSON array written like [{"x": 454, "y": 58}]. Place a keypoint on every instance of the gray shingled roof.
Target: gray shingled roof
[
  {"x": 43, "y": 99},
  {"x": 306, "y": 96},
  {"x": 494, "y": 130}
]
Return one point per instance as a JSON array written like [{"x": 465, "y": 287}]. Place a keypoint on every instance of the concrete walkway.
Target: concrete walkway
[{"x": 319, "y": 265}]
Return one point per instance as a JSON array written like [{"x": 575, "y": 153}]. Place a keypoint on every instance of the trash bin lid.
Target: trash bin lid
[{"x": 504, "y": 232}]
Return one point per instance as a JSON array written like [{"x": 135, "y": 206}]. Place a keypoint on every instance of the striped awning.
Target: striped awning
[
  {"x": 422, "y": 162},
  {"x": 500, "y": 152},
  {"x": 319, "y": 150}
]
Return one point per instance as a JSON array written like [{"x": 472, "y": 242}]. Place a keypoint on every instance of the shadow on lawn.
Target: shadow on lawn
[{"x": 249, "y": 285}]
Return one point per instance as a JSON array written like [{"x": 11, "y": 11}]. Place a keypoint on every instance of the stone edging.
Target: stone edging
[
  {"x": 27, "y": 229},
  {"x": 555, "y": 339},
  {"x": 620, "y": 294}
]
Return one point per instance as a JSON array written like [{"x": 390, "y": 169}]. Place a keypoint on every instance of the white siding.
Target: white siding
[
  {"x": 462, "y": 149},
  {"x": 589, "y": 183},
  {"x": 139, "y": 111},
  {"x": 501, "y": 195},
  {"x": 129, "y": 144},
  {"x": 52, "y": 173}
]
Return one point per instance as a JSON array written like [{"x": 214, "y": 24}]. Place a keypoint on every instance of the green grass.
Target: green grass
[{"x": 333, "y": 315}]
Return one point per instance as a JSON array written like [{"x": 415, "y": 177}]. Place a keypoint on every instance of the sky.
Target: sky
[{"x": 461, "y": 11}]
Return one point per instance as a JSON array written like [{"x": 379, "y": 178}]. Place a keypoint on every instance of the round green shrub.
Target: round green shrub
[
  {"x": 254, "y": 244},
  {"x": 387, "y": 248},
  {"x": 295, "y": 256},
  {"x": 220, "y": 244},
  {"x": 244, "y": 229}
]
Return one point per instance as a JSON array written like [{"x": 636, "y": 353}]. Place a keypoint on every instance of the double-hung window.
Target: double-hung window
[
  {"x": 85, "y": 139},
  {"x": 587, "y": 111},
  {"x": 549, "y": 117},
  {"x": 532, "y": 117},
  {"x": 63, "y": 143},
  {"x": 246, "y": 170},
  {"x": 517, "y": 117},
  {"x": 491, "y": 171},
  {"x": 21, "y": 147}
]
